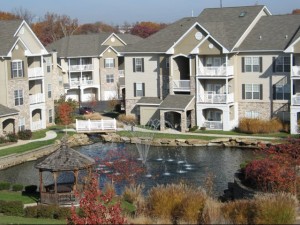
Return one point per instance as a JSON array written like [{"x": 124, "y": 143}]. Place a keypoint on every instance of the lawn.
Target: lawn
[
  {"x": 23, "y": 220},
  {"x": 18, "y": 196}
]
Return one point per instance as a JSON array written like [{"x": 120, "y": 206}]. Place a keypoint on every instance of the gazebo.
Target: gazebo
[{"x": 67, "y": 160}]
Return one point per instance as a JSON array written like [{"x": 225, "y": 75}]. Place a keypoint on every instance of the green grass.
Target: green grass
[
  {"x": 28, "y": 147},
  {"x": 23, "y": 220},
  {"x": 164, "y": 135},
  {"x": 18, "y": 196},
  {"x": 39, "y": 134}
]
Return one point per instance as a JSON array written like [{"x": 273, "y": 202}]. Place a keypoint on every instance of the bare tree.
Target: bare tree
[{"x": 24, "y": 14}]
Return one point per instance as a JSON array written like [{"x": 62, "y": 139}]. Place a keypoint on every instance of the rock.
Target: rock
[{"x": 125, "y": 139}]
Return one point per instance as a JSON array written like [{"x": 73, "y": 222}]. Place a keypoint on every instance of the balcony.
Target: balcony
[
  {"x": 181, "y": 85},
  {"x": 296, "y": 71},
  {"x": 85, "y": 67},
  {"x": 213, "y": 98},
  {"x": 81, "y": 83},
  {"x": 35, "y": 72},
  {"x": 213, "y": 125},
  {"x": 216, "y": 71},
  {"x": 296, "y": 99},
  {"x": 36, "y": 98},
  {"x": 121, "y": 73}
]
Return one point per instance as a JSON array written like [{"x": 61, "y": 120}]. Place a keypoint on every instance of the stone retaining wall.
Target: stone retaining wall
[
  {"x": 15, "y": 159},
  {"x": 221, "y": 142}
]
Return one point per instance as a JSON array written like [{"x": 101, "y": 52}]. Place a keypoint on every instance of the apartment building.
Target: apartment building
[
  {"x": 92, "y": 66},
  {"x": 29, "y": 81},
  {"x": 232, "y": 62}
]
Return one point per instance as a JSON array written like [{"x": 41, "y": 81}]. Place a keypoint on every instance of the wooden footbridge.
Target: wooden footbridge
[{"x": 96, "y": 126}]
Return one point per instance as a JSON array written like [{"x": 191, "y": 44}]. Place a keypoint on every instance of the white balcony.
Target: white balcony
[
  {"x": 36, "y": 98},
  {"x": 37, "y": 125},
  {"x": 81, "y": 83},
  {"x": 121, "y": 73},
  {"x": 35, "y": 72},
  {"x": 213, "y": 98},
  {"x": 219, "y": 71},
  {"x": 181, "y": 85},
  {"x": 213, "y": 125},
  {"x": 296, "y": 99},
  {"x": 296, "y": 71},
  {"x": 85, "y": 67}
]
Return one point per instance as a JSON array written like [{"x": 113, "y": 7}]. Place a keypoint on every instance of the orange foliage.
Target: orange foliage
[{"x": 7, "y": 16}]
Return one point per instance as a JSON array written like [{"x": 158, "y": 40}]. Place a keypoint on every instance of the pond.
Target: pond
[{"x": 163, "y": 165}]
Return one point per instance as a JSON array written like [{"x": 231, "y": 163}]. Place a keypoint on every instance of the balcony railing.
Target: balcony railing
[
  {"x": 214, "y": 125},
  {"x": 215, "y": 98},
  {"x": 181, "y": 85},
  {"x": 296, "y": 99},
  {"x": 296, "y": 71},
  {"x": 121, "y": 73},
  {"x": 36, "y": 98},
  {"x": 37, "y": 125},
  {"x": 81, "y": 67},
  {"x": 83, "y": 82},
  {"x": 221, "y": 71},
  {"x": 35, "y": 72}
]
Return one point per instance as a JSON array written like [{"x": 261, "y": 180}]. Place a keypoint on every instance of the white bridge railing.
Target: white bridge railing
[{"x": 95, "y": 125}]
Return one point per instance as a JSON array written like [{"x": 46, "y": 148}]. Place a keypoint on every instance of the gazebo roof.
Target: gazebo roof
[{"x": 65, "y": 159}]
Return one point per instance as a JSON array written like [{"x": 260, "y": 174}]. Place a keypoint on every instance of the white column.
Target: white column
[
  {"x": 226, "y": 119},
  {"x": 293, "y": 122}
]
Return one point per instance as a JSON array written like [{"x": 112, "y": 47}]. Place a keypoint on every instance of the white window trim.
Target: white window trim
[
  {"x": 19, "y": 97},
  {"x": 139, "y": 65},
  {"x": 21, "y": 125},
  {"x": 252, "y": 63},
  {"x": 252, "y": 92},
  {"x": 108, "y": 64},
  {"x": 18, "y": 69},
  {"x": 110, "y": 78}
]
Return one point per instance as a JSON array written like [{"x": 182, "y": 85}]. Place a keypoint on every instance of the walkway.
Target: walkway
[{"x": 49, "y": 135}]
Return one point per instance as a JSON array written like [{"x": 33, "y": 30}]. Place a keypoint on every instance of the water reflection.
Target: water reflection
[{"x": 166, "y": 165}]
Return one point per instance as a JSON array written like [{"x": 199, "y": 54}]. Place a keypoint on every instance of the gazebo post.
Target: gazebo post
[
  {"x": 55, "y": 187},
  {"x": 41, "y": 184}
]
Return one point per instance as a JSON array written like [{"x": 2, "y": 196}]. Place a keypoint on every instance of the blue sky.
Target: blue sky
[{"x": 118, "y": 11}]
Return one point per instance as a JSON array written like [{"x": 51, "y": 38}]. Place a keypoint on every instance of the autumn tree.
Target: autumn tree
[
  {"x": 145, "y": 29},
  {"x": 8, "y": 16},
  {"x": 64, "y": 109},
  {"x": 24, "y": 14},
  {"x": 94, "y": 28},
  {"x": 54, "y": 27},
  {"x": 96, "y": 207},
  {"x": 296, "y": 11}
]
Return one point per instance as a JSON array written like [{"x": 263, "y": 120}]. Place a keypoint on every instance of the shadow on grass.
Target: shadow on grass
[
  {"x": 112, "y": 114},
  {"x": 35, "y": 196}
]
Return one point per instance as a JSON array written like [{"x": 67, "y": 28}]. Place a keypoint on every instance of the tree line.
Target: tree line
[{"x": 52, "y": 26}]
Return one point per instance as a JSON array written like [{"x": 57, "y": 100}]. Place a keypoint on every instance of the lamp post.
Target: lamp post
[{"x": 79, "y": 96}]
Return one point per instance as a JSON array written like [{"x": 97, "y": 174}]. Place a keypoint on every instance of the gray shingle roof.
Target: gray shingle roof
[
  {"x": 224, "y": 24},
  {"x": 86, "y": 45},
  {"x": 149, "y": 100},
  {"x": 5, "y": 111},
  {"x": 7, "y": 31},
  {"x": 176, "y": 102},
  {"x": 272, "y": 33},
  {"x": 65, "y": 159}
]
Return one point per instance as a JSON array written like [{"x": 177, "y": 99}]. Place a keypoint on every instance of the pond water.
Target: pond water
[{"x": 163, "y": 165}]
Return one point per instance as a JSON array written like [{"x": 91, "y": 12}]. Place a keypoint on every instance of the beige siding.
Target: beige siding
[
  {"x": 297, "y": 47},
  {"x": 148, "y": 113},
  {"x": 30, "y": 40},
  {"x": 113, "y": 41},
  {"x": 210, "y": 47},
  {"x": 3, "y": 82}
]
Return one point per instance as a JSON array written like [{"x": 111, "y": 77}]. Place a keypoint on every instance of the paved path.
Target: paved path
[{"x": 49, "y": 135}]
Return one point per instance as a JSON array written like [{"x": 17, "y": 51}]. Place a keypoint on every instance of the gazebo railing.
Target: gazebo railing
[{"x": 58, "y": 198}]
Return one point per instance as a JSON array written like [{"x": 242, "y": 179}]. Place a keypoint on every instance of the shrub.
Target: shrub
[
  {"x": 46, "y": 211},
  {"x": 112, "y": 104},
  {"x": 4, "y": 186},
  {"x": 212, "y": 213},
  {"x": 239, "y": 211},
  {"x": 12, "y": 208},
  {"x": 2, "y": 140},
  {"x": 255, "y": 126},
  {"x": 133, "y": 193},
  {"x": 194, "y": 128},
  {"x": 278, "y": 208},
  {"x": 127, "y": 119},
  {"x": 17, "y": 187},
  {"x": 24, "y": 134},
  {"x": 93, "y": 116},
  {"x": 12, "y": 137},
  {"x": 62, "y": 213},
  {"x": 30, "y": 189},
  {"x": 270, "y": 175},
  {"x": 30, "y": 211}
]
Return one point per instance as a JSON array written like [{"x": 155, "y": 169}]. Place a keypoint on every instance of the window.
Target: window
[
  {"x": 252, "y": 91},
  {"x": 50, "y": 118},
  {"x": 282, "y": 64},
  {"x": 48, "y": 64},
  {"x": 139, "y": 89},
  {"x": 252, "y": 64},
  {"x": 109, "y": 78},
  {"x": 281, "y": 92},
  {"x": 109, "y": 63},
  {"x": 138, "y": 64},
  {"x": 49, "y": 90},
  {"x": 16, "y": 69},
  {"x": 252, "y": 114},
  {"x": 21, "y": 124},
  {"x": 18, "y": 97}
]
